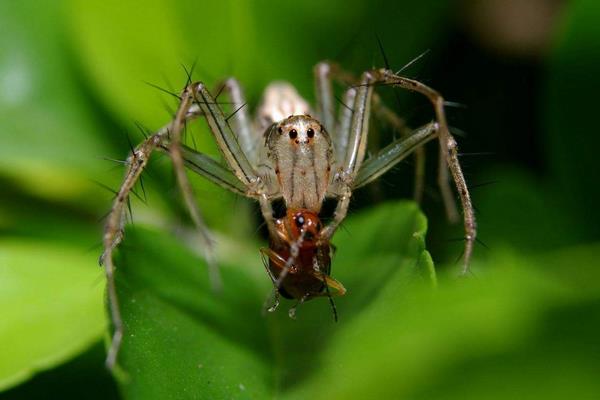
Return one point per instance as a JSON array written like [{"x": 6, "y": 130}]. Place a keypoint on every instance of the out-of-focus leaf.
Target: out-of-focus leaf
[
  {"x": 516, "y": 332},
  {"x": 524, "y": 326},
  {"x": 151, "y": 48},
  {"x": 523, "y": 212},
  {"x": 257, "y": 42},
  {"x": 84, "y": 377},
  {"x": 569, "y": 112},
  {"x": 181, "y": 337},
  {"x": 50, "y": 143},
  {"x": 183, "y": 341},
  {"x": 52, "y": 309}
]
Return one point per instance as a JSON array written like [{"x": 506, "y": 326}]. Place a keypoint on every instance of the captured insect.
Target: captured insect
[{"x": 297, "y": 155}]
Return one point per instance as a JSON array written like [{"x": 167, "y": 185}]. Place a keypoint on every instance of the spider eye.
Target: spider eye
[
  {"x": 279, "y": 130},
  {"x": 299, "y": 221},
  {"x": 310, "y": 132},
  {"x": 293, "y": 134}
]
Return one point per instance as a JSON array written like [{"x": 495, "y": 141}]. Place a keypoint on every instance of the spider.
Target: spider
[{"x": 296, "y": 154}]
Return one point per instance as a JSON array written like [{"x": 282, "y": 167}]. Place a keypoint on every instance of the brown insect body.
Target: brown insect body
[{"x": 310, "y": 267}]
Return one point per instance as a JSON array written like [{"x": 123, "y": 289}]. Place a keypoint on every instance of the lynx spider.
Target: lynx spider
[{"x": 265, "y": 159}]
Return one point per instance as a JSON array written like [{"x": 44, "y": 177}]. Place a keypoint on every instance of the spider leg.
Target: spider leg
[
  {"x": 393, "y": 153},
  {"x": 249, "y": 138},
  {"x": 325, "y": 72},
  {"x": 113, "y": 235},
  {"x": 114, "y": 228},
  {"x": 324, "y": 96},
  {"x": 448, "y": 154},
  {"x": 195, "y": 101},
  {"x": 345, "y": 121},
  {"x": 187, "y": 99},
  {"x": 343, "y": 180},
  {"x": 357, "y": 141},
  {"x": 232, "y": 152},
  {"x": 339, "y": 130},
  {"x": 211, "y": 169},
  {"x": 226, "y": 140},
  {"x": 386, "y": 77},
  {"x": 399, "y": 125},
  {"x": 240, "y": 119}
]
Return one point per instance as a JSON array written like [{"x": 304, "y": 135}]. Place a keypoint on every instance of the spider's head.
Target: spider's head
[
  {"x": 300, "y": 151},
  {"x": 300, "y": 129}
]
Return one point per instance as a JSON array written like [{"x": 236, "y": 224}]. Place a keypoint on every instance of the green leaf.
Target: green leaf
[
  {"x": 182, "y": 341},
  {"x": 50, "y": 140},
  {"x": 515, "y": 330},
  {"x": 254, "y": 41},
  {"x": 52, "y": 309}
]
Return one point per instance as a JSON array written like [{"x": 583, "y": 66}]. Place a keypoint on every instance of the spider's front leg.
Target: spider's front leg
[
  {"x": 327, "y": 72},
  {"x": 167, "y": 137},
  {"x": 448, "y": 155},
  {"x": 187, "y": 99},
  {"x": 354, "y": 174},
  {"x": 113, "y": 234},
  {"x": 239, "y": 176}
]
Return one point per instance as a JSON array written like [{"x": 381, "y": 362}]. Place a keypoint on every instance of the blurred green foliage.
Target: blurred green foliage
[{"x": 72, "y": 85}]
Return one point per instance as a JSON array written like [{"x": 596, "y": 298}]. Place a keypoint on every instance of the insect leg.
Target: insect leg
[
  {"x": 340, "y": 290},
  {"x": 292, "y": 311},
  {"x": 271, "y": 255},
  {"x": 277, "y": 260}
]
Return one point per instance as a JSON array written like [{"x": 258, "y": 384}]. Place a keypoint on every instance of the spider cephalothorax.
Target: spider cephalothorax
[
  {"x": 287, "y": 154},
  {"x": 300, "y": 151}
]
